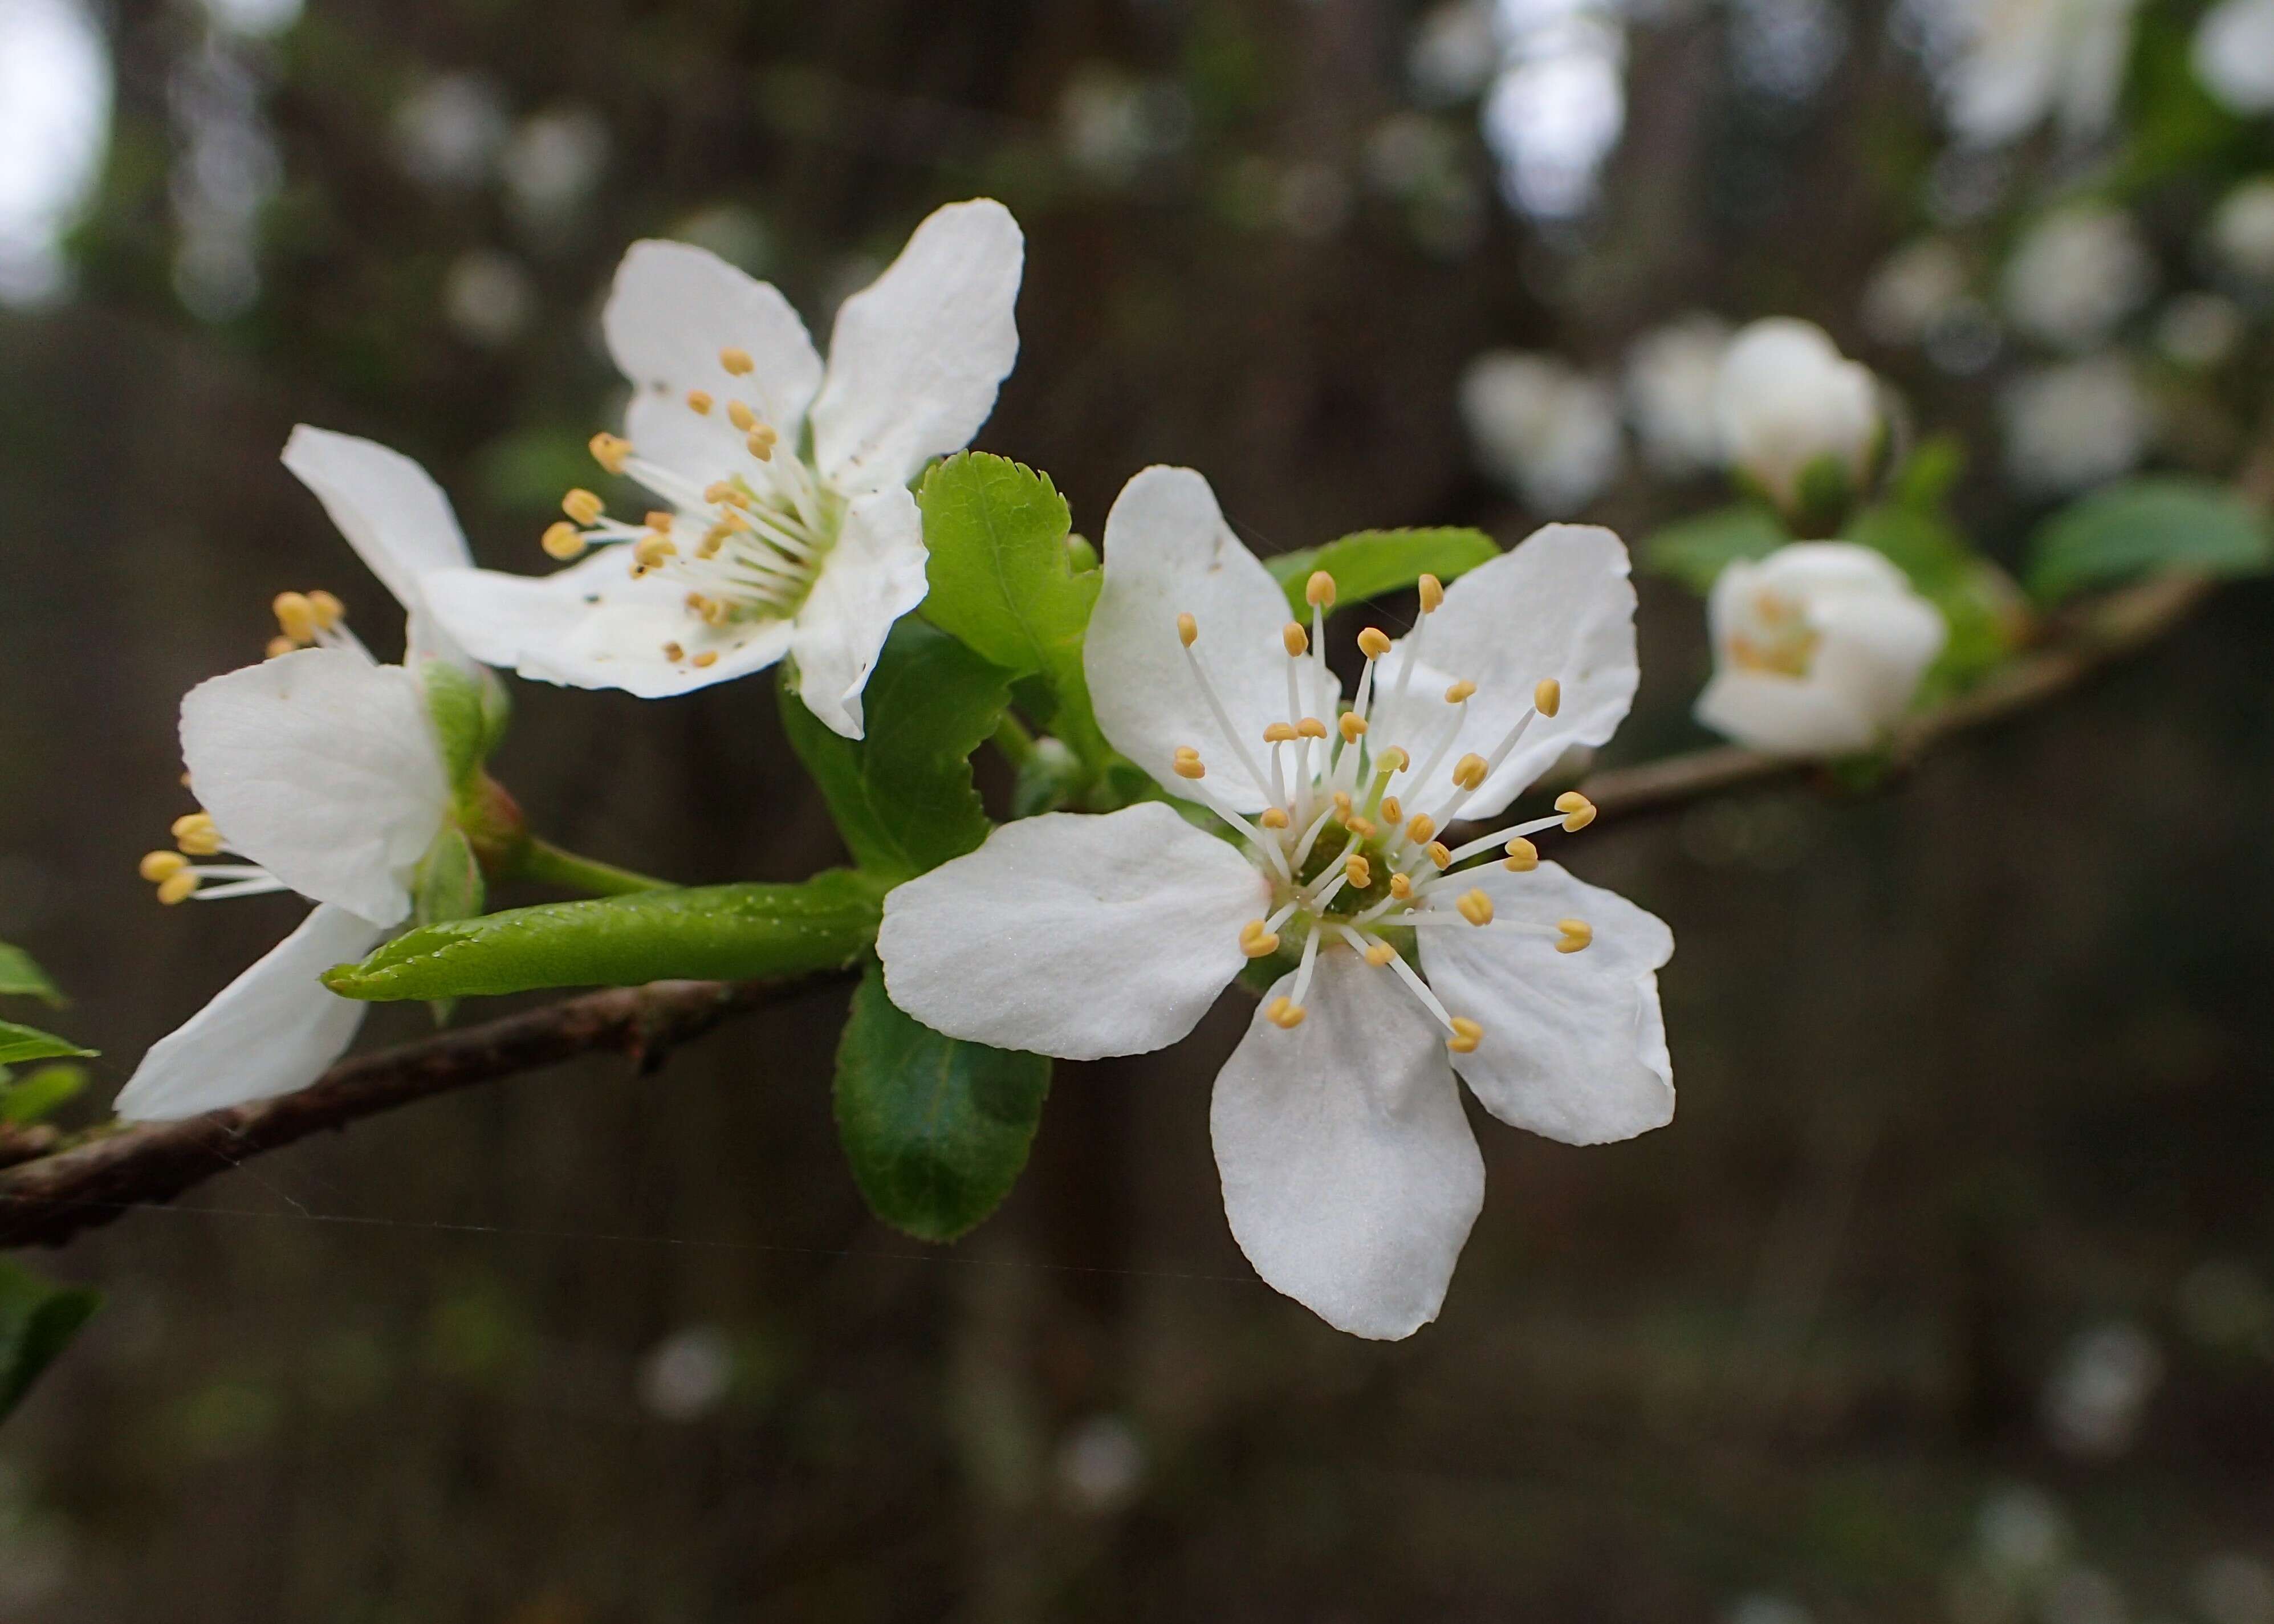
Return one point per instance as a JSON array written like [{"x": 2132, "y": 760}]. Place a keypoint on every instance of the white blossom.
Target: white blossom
[
  {"x": 2076, "y": 275},
  {"x": 2201, "y": 330},
  {"x": 1671, "y": 374},
  {"x": 2243, "y": 230},
  {"x": 1787, "y": 401},
  {"x": 1350, "y": 1178},
  {"x": 2234, "y": 54},
  {"x": 1817, "y": 649},
  {"x": 1915, "y": 290},
  {"x": 1547, "y": 431},
  {"x": 319, "y": 772},
  {"x": 789, "y": 528},
  {"x": 2014, "y": 64},
  {"x": 2075, "y": 426}
]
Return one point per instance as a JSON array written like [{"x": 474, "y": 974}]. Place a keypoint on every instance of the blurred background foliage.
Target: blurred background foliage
[{"x": 1946, "y": 1294}]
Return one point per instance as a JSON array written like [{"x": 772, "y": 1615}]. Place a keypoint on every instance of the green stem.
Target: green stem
[
  {"x": 542, "y": 860},
  {"x": 1012, "y": 739}
]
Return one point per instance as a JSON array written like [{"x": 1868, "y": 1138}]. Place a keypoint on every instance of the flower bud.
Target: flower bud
[
  {"x": 1798, "y": 421},
  {"x": 1817, "y": 649}
]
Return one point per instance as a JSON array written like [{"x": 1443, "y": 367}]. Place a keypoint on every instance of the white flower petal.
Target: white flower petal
[
  {"x": 872, "y": 577},
  {"x": 1559, "y": 605},
  {"x": 1877, "y": 647},
  {"x": 323, "y": 769},
  {"x": 393, "y": 514},
  {"x": 1350, "y": 1178},
  {"x": 1574, "y": 1044},
  {"x": 273, "y": 1030},
  {"x": 1168, "y": 552},
  {"x": 673, "y": 309},
  {"x": 1784, "y": 716},
  {"x": 1073, "y": 936},
  {"x": 591, "y": 626},
  {"x": 917, "y": 356},
  {"x": 2234, "y": 54}
]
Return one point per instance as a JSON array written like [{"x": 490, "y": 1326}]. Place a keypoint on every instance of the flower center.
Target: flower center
[
  {"x": 1350, "y": 840},
  {"x": 747, "y": 547},
  {"x": 1776, "y": 639}
]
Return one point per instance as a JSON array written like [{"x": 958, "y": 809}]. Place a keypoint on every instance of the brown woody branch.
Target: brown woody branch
[{"x": 53, "y": 1196}]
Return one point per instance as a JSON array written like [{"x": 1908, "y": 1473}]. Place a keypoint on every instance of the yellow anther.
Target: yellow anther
[
  {"x": 737, "y": 361},
  {"x": 296, "y": 616},
  {"x": 673, "y": 652},
  {"x": 705, "y": 660},
  {"x": 1577, "y": 936},
  {"x": 159, "y": 867},
  {"x": 742, "y": 416},
  {"x": 1459, "y": 693},
  {"x": 720, "y": 490},
  {"x": 1578, "y": 810},
  {"x": 1319, "y": 591},
  {"x": 1284, "y": 1013},
  {"x": 660, "y": 519},
  {"x": 1188, "y": 630},
  {"x": 699, "y": 402},
  {"x": 1188, "y": 767},
  {"x": 195, "y": 834},
  {"x": 328, "y": 610},
  {"x": 1470, "y": 770},
  {"x": 1373, "y": 642},
  {"x": 1476, "y": 907},
  {"x": 563, "y": 540},
  {"x": 1279, "y": 733},
  {"x": 1380, "y": 955},
  {"x": 280, "y": 645},
  {"x": 714, "y": 539},
  {"x": 179, "y": 888},
  {"x": 1295, "y": 639},
  {"x": 1422, "y": 829},
  {"x": 1185, "y": 752},
  {"x": 1401, "y": 886},
  {"x": 1522, "y": 856},
  {"x": 1311, "y": 727},
  {"x": 1433, "y": 593},
  {"x": 1547, "y": 697},
  {"x": 651, "y": 550},
  {"x": 1353, "y": 725},
  {"x": 1392, "y": 760},
  {"x": 1359, "y": 870},
  {"x": 1466, "y": 1035},
  {"x": 582, "y": 506},
  {"x": 1392, "y": 813},
  {"x": 1361, "y": 827},
  {"x": 1341, "y": 798},
  {"x": 610, "y": 451},
  {"x": 761, "y": 443},
  {"x": 1439, "y": 854},
  {"x": 1273, "y": 818},
  {"x": 1256, "y": 941}
]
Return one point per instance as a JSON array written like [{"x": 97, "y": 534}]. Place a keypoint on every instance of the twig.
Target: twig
[{"x": 50, "y": 1199}]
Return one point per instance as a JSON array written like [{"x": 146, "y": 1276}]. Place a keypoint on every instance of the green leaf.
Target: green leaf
[
  {"x": 1925, "y": 479},
  {"x": 38, "y": 1096},
  {"x": 937, "y": 1130},
  {"x": 36, "y": 1320},
  {"x": 18, "y": 1044},
  {"x": 1696, "y": 551},
  {"x": 1005, "y": 579},
  {"x": 1372, "y": 563},
  {"x": 2171, "y": 522},
  {"x": 902, "y": 795},
  {"x": 1979, "y": 602},
  {"x": 716, "y": 932},
  {"x": 20, "y": 978}
]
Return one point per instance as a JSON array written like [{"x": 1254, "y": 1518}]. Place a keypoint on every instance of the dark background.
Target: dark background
[{"x": 1975, "y": 1111}]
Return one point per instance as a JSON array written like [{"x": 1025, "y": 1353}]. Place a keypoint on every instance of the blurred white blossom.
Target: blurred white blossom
[
  {"x": 1915, "y": 289},
  {"x": 487, "y": 297},
  {"x": 2081, "y": 1595},
  {"x": 2007, "y": 66},
  {"x": 553, "y": 163},
  {"x": 1100, "y": 1463},
  {"x": 2099, "y": 1391},
  {"x": 449, "y": 131},
  {"x": 2231, "y": 1588},
  {"x": 1817, "y": 649},
  {"x": 1785, "y": 400},
  {"x": 2200, "y": 330},
  {"x": 2234, "y": 54},
  {"x": 1455, "y": 52},
  {"x": 2072, "y": 426},
  {"x": 1558, "y": 107},
  {"x": 687, "y": 1375},
  {"x": 2076, "y": 275},
  {"x": 2243, "y": 230},
  {"x": 254, "y": 19},
  {"x": 1671, "y": 378},
  {"x": 2020, "y": 1534},
  {"x": 54, "y": 127},
  {"x": 1543, "y": 428},
  {"x": 1111, "y": 125}
]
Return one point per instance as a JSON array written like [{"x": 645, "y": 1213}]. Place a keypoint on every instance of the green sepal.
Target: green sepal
[
  {"x": 1694, "y": 552},
  {"x": 1985, "y": 612},
  {"x": 937, "y": 1130},
  {"x": 1822, "y": 496},
  {"x": 2168, "y": 521},
  {"x": 35, "y": 1098},
  {"x": 902, "y": 795},
  {"x": 497, "y": 710},
  {"x": 1007, "y": 580},
  {"x": 448, "y": 884},
  {"x": 21, "y": 978},
  {"x": 37, "y": 1321},
  {"x": 1374, "y": 563},
  {"x": 715, "y": 932},
  {"x": 18, "y": 1044},
  {"x": 453, "y": 703}
]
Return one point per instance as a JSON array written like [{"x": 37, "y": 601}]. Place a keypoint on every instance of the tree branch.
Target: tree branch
[{"x": 92, "y": 1183}]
